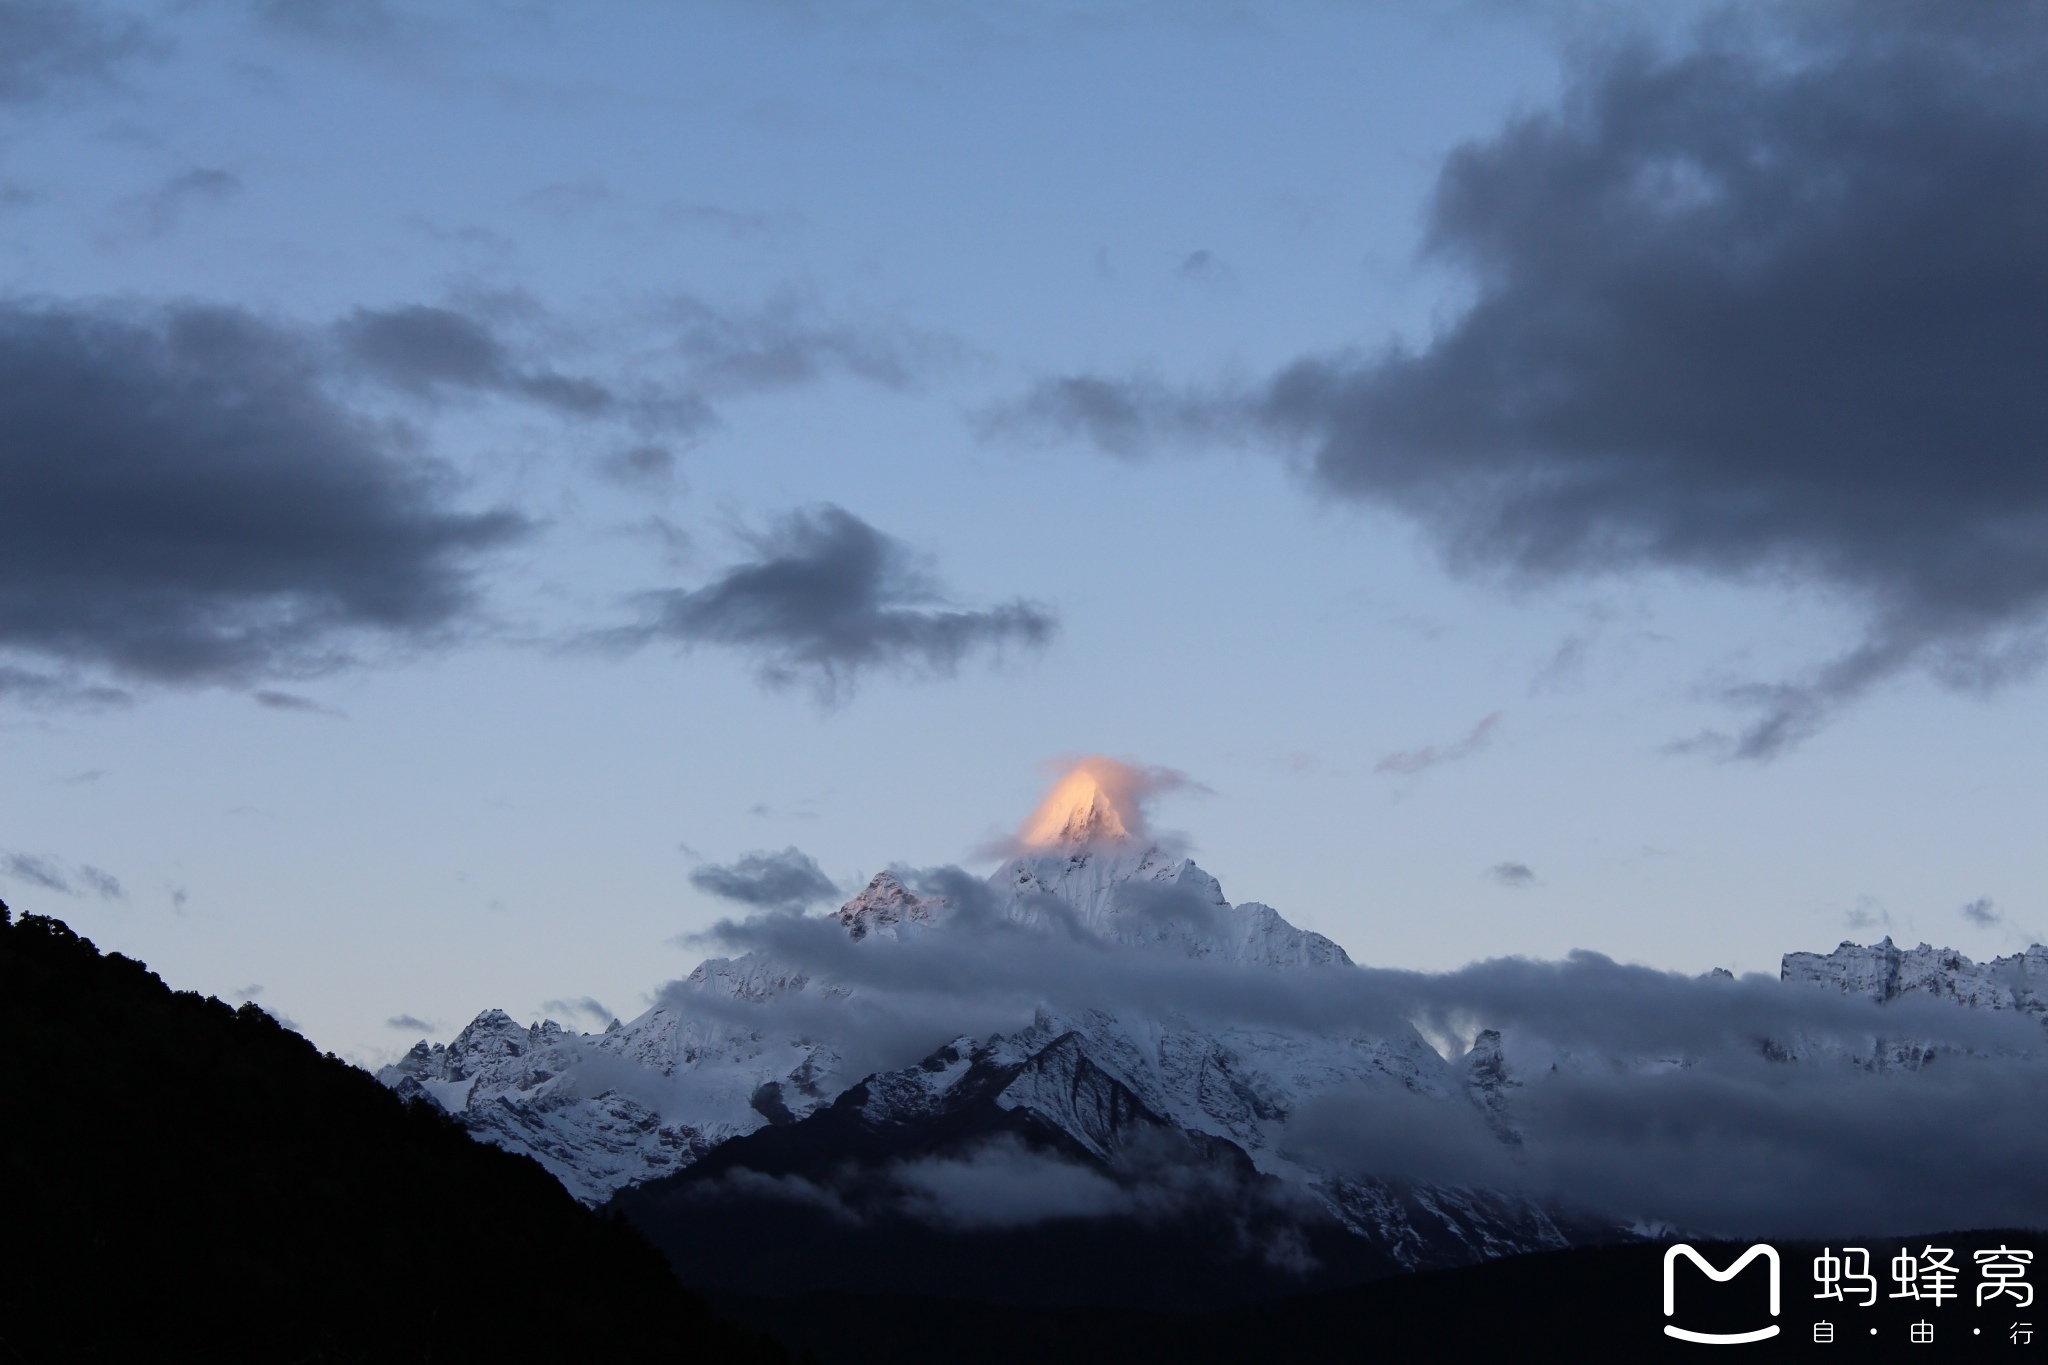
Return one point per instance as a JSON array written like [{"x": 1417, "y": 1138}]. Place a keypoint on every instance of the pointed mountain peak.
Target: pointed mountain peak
[
  {"x": 885, "y": 902},
  {"x": 1081, "y": 809}
]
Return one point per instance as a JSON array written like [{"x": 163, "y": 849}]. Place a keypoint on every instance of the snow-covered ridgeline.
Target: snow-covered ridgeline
[{"x": 648, "y": 1098}]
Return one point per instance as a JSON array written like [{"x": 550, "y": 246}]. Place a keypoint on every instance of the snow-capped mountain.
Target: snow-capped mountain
[
  {"x": 1883, "y": 972},
  {"x": 646, "y": 1099},
  {"x": 714, "y": 1063}
]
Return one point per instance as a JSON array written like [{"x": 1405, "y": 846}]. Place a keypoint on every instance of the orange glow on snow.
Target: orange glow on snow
[{"x": 1095, "y": 800}]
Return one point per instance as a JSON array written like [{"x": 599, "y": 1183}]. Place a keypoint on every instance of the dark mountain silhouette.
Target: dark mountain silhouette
[
  {"x": 183, "y": 1181},
  {"x": 1584, "y": 1305}
]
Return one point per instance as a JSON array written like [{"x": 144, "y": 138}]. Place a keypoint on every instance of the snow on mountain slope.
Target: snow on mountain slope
[
  {"x": 1884, "y": 972},
  {"x": 1185, "y": 907},
  {"x": 639, "y": 1100},
  {"x": 647, "y": 1099}
]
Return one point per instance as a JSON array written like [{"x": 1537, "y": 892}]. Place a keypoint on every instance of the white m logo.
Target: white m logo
[{"x": 1671, "y": 1255}]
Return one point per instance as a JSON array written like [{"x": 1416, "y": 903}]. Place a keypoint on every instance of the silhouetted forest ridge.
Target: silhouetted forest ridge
[{"x": 183, "y": 1181}]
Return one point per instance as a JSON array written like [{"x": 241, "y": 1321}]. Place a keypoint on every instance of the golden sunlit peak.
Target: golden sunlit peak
[{"x": 1093, "y": 803}]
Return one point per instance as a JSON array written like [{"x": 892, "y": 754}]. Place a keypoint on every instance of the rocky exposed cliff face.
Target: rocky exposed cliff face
[{"x": 1883, "y": 972}]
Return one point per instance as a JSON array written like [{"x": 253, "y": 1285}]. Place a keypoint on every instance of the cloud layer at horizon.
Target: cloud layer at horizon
[{"x": 1731, "y": 1106}]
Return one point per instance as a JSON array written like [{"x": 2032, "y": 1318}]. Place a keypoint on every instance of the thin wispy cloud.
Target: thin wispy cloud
[
  {"x": 581, "y": 1007},
  {"x": 54, "y": 874},
  {"x": 789, "y": 340},
  {"x": 272, "y": 700},
  {"x": 1408, "y": 762},
  {"x": 38, "y": 872},
  {"x": 164, "y": 208}
]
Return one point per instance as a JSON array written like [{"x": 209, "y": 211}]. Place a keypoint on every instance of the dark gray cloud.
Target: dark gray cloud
[
  {"x": 789, "y": 880},
  {"x": 1736, "y": 1146},
  {"x": 183, "y": 500},
  {"x": 46, "y": 44},
  {"x": 1981, "y": 912},
  {"x": 105, "y": 885},
  {"x": 1512, "y": 874},
  {"x": 409, "y": 1023},
  {"x": 1768, "y": 307},
  {"x": 828, "y": 597}
]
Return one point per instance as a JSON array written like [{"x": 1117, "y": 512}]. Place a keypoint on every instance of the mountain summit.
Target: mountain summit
[{"x": 1083, "y": 808}]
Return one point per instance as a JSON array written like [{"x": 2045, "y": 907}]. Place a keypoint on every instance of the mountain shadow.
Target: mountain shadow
[{"x": 181, "y": 1181}]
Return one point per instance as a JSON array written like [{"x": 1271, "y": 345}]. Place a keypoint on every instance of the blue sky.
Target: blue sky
[{"x": 644, "y": 283}]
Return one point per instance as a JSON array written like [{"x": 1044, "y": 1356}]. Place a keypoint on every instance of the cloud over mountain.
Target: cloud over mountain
[{"x": 1733, "y": 1106}]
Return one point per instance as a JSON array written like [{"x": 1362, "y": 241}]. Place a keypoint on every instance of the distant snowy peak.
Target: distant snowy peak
[
  {"x": 1882, "y": 972},
  {"x": 886, "y": 906},
  {"x": 518, "y": 1086}
]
